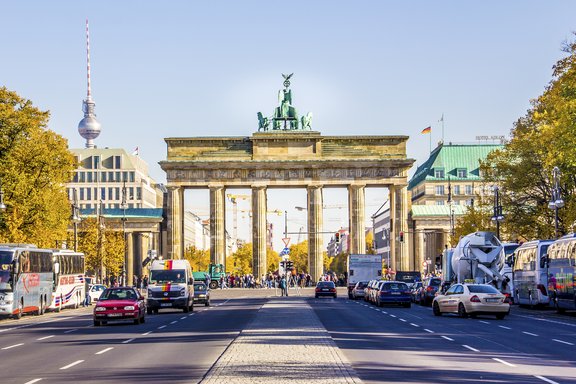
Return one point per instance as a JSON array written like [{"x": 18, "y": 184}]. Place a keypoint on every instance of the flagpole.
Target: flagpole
[
  {"x": 430, "y": 138},
  {"x": 442, "y": 128}
]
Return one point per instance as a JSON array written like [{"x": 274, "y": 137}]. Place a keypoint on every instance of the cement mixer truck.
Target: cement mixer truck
[{"x": 478, "y": 258}]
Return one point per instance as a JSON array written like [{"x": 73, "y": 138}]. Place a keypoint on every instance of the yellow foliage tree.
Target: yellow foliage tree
[{"x": 199, "y": 258}]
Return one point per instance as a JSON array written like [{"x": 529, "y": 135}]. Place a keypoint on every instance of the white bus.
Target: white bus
[
  {"x": 562, "y": 273},
  {"x": 530, "y": 273},
  {"x": 69, "y": 279},
  {"x": 26, "y": 279}
]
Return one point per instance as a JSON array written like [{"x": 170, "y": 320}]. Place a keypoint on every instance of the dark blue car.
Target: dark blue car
[{"x": 394, "y": 292}]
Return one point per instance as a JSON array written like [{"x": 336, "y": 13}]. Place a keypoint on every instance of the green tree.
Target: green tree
[
  {"x": 272, "y": 259},
  {"x": 241, "y": 261},
  {"x": 199, "y": 258},
  {"x": 299, "y": 255},
  {"x": 35, "y": 166},
  {"x": 370, "y": 243},
  {"x": 104, "y": 247}
]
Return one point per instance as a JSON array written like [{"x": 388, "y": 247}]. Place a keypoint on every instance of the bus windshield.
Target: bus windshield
[
  {"x": 5, "y": 269},
  {"x": 167, "y": 276}
]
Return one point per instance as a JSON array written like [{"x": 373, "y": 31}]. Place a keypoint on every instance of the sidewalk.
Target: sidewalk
[{"x": 285, "y": 343}]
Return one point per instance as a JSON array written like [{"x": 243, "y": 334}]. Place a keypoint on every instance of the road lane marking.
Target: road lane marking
[
  {"x": 485, "y": 322},
  {"x": 392, "y": 315},
  {"x": 127, "y": 341},
  {"x": 384, "y": 312},
  {"x": 104, "y": 351},
  {"x": 45, "y": 337},
  {"x": 174, "y": 322},
  {"x": 402, "y": 320},
  {"x": 429, "y": 331},
  {"x": 71, "y": 330},
  {"x": 146, "y": 333},
  {"x": 470, "y": 348},
  {"x": 503, "y": 362},
  {"x": 502, "y": 326},
  {"x": 447, "y": 338},
  {"x": 183, "y": 318},
  {"x": 531, "y": 334},
  {"x": 13, "y": 346},
  {"x": 71, "y": 365},
  {"x": 562, "y": 341},
  {"x": 191, "y": 315},
  {"x": 545, "y": 379},
  {"x": 32, "y": 381},
  {"x": 414, "y": 325},
  {"x": 161, "y": 327}
]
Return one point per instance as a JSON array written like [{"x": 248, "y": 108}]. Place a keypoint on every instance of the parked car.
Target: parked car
[
  {"x": 94, "y": 291},
  {"x": 415, "y": 292},
  {"x": 471, "y": 300},
  {"x": 368, "y": 288},
  {"x": 358, "y": 290},
  {"x": 325, "y": 288},
  {"x": 393, "y": 292},
  {"x": 122, "y": 303},
  {"x": 201, "y": 293},
  {"x": 430, "y": 286}
]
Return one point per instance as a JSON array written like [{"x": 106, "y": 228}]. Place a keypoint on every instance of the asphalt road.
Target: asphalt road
[{"x": 389, "y": 344}]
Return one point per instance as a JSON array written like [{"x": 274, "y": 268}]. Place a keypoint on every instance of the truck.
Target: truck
[
  {"x": 478, "y": 258},
  {"x": 363, "y": 268},
  {"x": 171, "y": 285},
  {"x": 212, "y": 275}
]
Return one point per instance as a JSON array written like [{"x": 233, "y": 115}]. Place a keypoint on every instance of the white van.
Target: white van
[{"x": 170, "y": 285}]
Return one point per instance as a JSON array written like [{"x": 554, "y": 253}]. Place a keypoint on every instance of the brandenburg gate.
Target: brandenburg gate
[{"x": 287, "y": 153}]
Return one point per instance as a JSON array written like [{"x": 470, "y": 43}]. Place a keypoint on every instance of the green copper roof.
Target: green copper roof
[
  {"x": 450, "y": 158},
  {"x": 436, "y": 210}
]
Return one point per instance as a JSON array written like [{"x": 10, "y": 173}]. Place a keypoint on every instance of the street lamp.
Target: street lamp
[
  {"x": 75, "y": 218},
  {"x": 556, "y": 201},
  {"x": 497, "y": 217},
  {"x": 2, "y": 205}
]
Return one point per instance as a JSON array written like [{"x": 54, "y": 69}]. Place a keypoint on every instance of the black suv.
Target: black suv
[{"x": 430, "y": 286}]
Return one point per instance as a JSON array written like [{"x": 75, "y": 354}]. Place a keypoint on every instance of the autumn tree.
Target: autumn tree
[
  {"x": 299, "y": 255},
  {"x": 35, "y": 166},
  {"x": 240, "y": 262},
  {"x": 103, "y": 246},
  {"x": 272, "y": 259},
  {"x": 199, "y": 258}
]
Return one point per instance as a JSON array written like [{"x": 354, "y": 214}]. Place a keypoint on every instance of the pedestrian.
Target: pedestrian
[{"x": 283, "y": 286}]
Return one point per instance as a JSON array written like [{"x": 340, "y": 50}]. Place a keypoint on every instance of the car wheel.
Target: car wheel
[
  {"x": 436, "y": 309},
  {"x": 137, "y": 321},
  {"x": 316, "y": 296},
  {"x": 96, "y": 323},
  {"x": 207, "y": 303},
  {"x": 186, "y": 308},
  {"x": 213, "y": 284},
  {"x": 156, "y": 311},
  {"x": 500, "y": 316},
  {"x": 462, "y": 311},
  {"x": 407, "y": 305},
  {"x": 149, "y": 311},
  {"x": 335, "y": 296}
]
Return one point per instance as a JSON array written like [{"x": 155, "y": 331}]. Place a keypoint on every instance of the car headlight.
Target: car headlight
[
  {"x": 183, "y": 292},
  {"x": 149, "y": 292},
  {"x": 100, "y": 309},
  {"x": 129, "y": 308}
]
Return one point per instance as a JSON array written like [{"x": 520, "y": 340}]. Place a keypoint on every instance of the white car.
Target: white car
[
  {"x": 471, "y": 300},
  {"x": 94, "y": 291}
]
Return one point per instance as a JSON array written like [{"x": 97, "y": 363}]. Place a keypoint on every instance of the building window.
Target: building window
[
  {"x": 117, "y": 179},
  {"x": 439, "y": 202},
  {"x": 82, "y": 177},
  {"x": 110, "y": 194},
  {"x": 102, "y": 193},
  {"x": 132, "y": 177},
  {"x": 81, "y": 193},
  {"x": 88, "y": 193},
  {"x": 462, "y": 173},
  {"x": 96, "y": 161},
  {"x": 103, "y": 176},
  {"x": 117, "y": 162},
  {"x": 75, "y": 178},
  {"x": 468, "y": 189},
  {"x": 117, "y": 193},
  {"x": 456, "y": 189},
  {"x": 439, "y": 173},
  {"x": 131, "y": 193},
  {"x": 439, "y": 190},
  {"x": 138, "y": 193},
  {"x": 110, "y": 176}
]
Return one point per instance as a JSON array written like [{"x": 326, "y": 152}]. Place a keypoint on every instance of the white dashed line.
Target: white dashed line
[
  {"x": 414, "y": 325},
  {"x": 447, "y": 338},
  {"x": 71, "y": 330},
  {"x": 545, "y": 379},
  {"x": 429, "y": 331},
  {"x": 183, "y": 318},
  {"x": 32, "y": 381},
  {"x": 402, "y": 320},
  {"x": 71, "y": 365},
  {"x": 127, "y": 341},
  {"x": 531, "y": 334},
  {"x": 384, "y": 312},
  {"x": 484, "y": 322},
  {"x": 503, "y": 362},
  {"x": 392, "y": 315},
  {"x": 146, "y": 333},
  {"x": 45, "y": 337},
  {"x": 562, "y": 341},
  {"x": 13, "y": 346},
  {"x": 174, "y": 322},
  {"x": 162, "y": 326},
  {"x": 502, "y": 326},
  {"x": 104, "y": 351},
  {"x": 470, "y": 348}
]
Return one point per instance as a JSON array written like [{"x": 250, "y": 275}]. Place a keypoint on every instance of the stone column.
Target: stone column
[
  {"x": 129, "y": 258},
  {"x": 259, "y": 208},
  {"x": 217, "y": 228},
  {"x": 357, "y": 220},
  {"x": 401, "y": 225},
  {"x": 420, "y": 250},
  {"x": 175, "y": 220},
  {"x": 315, "y": 243},
  {"x": 393, "y": 225}
]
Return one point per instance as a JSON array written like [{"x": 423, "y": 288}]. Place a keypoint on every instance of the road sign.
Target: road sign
[
  {"x": 424, "y": 263},
  {"x": 285, "y": 251},
  {"x": 286, "y": 241}
]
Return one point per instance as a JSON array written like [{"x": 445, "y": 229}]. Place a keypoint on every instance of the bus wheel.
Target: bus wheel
[
  {"x": 530, "y": 302},
  {"x": 59, "y": 308},
  {"x": 18, "y": 314},
  {"x": 76, "y": 301},
  {"x": 41, "y": 307}
]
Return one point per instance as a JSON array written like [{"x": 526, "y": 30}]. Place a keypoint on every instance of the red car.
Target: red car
[{"x": 117, "y": 304}]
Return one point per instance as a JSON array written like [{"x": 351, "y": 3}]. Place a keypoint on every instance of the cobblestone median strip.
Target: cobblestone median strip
[{"x": 285, "y": 343}]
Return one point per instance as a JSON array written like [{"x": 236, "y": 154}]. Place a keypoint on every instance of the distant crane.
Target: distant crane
[{"x": 234, "y": 200}]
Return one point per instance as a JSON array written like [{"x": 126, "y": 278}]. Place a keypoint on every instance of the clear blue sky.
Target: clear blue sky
[{"x": 196, "y": 68}]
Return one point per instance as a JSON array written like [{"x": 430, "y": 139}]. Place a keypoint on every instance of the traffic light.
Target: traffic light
[
  {"x": 337, "y": 237},
  {"x": 401, "y": 237}
]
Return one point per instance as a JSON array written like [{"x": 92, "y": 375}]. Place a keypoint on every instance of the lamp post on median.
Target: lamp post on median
[
  {"x": 556, "y": 201},
  {"x": 2, "y": 205},
  {"x": 497, "y": 217}
]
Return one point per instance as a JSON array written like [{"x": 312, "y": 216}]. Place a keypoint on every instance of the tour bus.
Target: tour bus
[
  {"x": 562, "y": 272},
  {"x": 530, "y": 273},
  {"x": 506, "y": 270},
  {"x": 69, "y": 280},
  {"x": 26, "y": 279}
]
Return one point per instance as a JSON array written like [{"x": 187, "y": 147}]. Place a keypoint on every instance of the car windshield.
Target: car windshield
[
  {"x": 118, "y": 294},
  {"x": 435, "y": 282},
  {"x": 361, "y": 285},
  {"x": 482, "y": 289},
  {"x": 394, "y": 287},
  {"x": 160, "y": 276},
  {"x": 326, "y": 284},
  {"x": 199, "y": 287},
  {"x": 98, "y": 288}
]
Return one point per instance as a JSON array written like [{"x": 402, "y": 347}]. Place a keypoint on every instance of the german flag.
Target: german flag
[
  {"x": 166, "y": 287},
  {"x": 168, "y": 264},
  {"x": 427, "y": 130}
]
